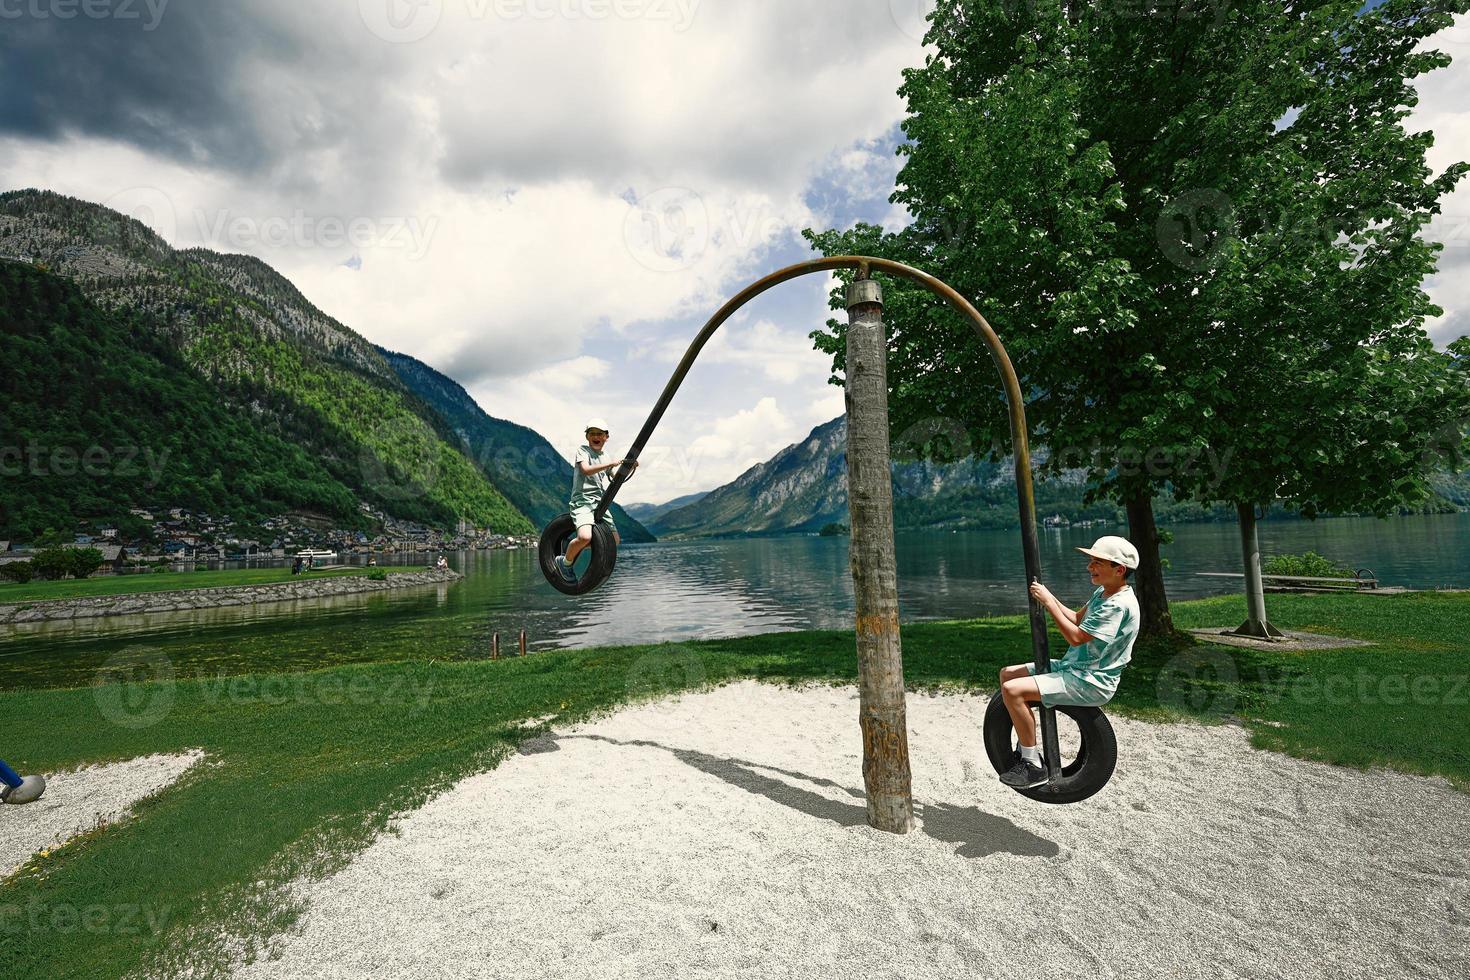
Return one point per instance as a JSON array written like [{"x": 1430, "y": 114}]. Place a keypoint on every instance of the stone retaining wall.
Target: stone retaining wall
[{"x": 234, "y": 595}]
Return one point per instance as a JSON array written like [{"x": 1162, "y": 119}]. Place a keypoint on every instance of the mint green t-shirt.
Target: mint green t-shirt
[
  {"x": 587, "y": 490},
  {"x": 1112, "y": 622}
]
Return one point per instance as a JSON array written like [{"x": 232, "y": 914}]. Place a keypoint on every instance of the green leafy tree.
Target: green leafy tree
[
  {"x": 1116, "y": 187},
  {"x": 19, "y": 572},
  {"x": 52, "y": 563},
  {"x": 1016, "y": 205},
  {"x": 82, "y": 562},
  {"x": 52, "y": 538},
  {"x": 1290, "y": 260}
]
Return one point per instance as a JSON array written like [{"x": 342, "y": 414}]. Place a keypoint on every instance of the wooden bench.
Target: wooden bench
[{"x": 1363, "y": 578}]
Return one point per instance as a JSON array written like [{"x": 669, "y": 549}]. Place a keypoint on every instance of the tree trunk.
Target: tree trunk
[
  {"x": 1148, "y": 580},
  {"x": 881, "y": 711},
  {"x": 1256, "y": 624}
]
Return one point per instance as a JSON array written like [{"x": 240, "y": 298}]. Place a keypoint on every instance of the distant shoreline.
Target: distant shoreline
[{"x": 213, "y": 597}]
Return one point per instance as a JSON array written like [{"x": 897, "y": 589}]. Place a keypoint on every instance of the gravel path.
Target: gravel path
[
  {"x": 722, "y": 834},
  {"x": 77, "y": 801}
]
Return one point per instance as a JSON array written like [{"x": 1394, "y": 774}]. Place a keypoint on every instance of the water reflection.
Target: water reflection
[{"x": 688, "y": 590}]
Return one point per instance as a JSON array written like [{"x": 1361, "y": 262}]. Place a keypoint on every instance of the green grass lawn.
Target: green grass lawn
[
  {"x": 131, "y": 584},
  {"x": 304, "y": 768}
]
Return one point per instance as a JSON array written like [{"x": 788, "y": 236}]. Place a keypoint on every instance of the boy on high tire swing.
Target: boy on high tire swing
[
  {"x": 1099, "y": 639},
  {"x": 591, "y": 475}
]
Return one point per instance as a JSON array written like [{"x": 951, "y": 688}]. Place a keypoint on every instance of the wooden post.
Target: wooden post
[
  {"x": 523, "y": 643},
  {"x": 494, "y": 646},
  {"x": 881, "y": 711}
]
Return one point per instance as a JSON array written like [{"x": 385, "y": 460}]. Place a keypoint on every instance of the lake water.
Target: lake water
[{"x": 686, "y": 590}]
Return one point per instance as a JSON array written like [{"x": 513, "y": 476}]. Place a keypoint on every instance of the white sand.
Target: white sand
[
  {"x": 723, "y": 835},
  {"x": 78, "y": 801}
]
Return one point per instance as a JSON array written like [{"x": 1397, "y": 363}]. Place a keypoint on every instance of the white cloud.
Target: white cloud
[
  {"x": 739, "y": 439},
  {"x": 826, "y": 407},
  {"x": 561, "y": 398},
  {"x": 784, "y": 356},
  {"x": 513, "y": 138},
  {"x": 1442, "y": 108}
]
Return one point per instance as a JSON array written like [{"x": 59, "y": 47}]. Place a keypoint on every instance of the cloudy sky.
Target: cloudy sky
[{"x": 544, "y": 199}]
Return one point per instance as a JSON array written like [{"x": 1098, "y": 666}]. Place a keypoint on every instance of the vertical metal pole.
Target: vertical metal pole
[
  {"x": 1041, "y": 656},
  {"x": 523, "y": 643},
  {"x": 881, "y": 712},
  {"x": 494, "y": 646}
]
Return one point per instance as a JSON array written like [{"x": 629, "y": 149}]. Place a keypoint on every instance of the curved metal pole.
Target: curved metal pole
[{"x": 866, "y": 265}]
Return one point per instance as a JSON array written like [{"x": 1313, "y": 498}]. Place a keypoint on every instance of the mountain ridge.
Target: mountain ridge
[
  {"x": 803, "y": 488},
  {"x": 268, "y": 354}
]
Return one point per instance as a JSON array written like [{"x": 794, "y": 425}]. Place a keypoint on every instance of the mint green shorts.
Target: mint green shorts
[
  {"x": 582, "y": 517},
  {"x": 1061, "y": 686}
]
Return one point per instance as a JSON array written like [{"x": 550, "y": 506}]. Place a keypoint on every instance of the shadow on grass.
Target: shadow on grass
[{"x": 978, "y": 834}]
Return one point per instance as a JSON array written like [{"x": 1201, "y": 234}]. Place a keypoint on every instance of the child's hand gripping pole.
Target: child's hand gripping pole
[{"x": 630, "y": 463}]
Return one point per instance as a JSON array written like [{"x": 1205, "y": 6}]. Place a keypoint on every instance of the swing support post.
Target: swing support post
[
  {"x": 888, "y": 733},
  {"x": 881, "y": 709}
]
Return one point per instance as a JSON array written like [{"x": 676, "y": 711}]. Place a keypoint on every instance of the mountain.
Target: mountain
[
  {"x": 1453, "y": 487},
  {"x": 801, "y": 488},
  {"x": 804, "y": 487},
  {"x": 519, "y": 461},
  {"x": 107, "y": 417},
  {"x": 650, "y": 512},
  {"x": 263, "y": 354}
]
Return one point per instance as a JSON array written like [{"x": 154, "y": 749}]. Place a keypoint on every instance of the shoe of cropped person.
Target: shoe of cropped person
[{"x": 1025, "y": 775}]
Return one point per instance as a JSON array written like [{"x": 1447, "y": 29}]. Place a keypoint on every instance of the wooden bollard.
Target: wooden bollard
[
  {"x": 523, "y": 643},
  {"x": 494, "y": 646}
]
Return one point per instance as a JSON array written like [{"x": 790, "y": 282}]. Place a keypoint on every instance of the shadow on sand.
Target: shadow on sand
[{"x": 978, "y": 834}]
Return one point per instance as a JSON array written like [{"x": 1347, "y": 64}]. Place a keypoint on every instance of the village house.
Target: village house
[{"x": 113, "y": 555}]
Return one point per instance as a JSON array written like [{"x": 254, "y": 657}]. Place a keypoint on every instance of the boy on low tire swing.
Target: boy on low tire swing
[{"x": 1099, "y": 639}]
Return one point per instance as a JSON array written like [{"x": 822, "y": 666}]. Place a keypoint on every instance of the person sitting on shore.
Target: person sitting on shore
[
  {"x": 1100, "y": 639},
  {"x": 591, "y": 475}
]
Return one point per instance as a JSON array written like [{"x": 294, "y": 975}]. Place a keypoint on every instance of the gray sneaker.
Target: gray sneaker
[
  {"x": 1025, "y": 775},
  {"x": 567, "y": 574}
]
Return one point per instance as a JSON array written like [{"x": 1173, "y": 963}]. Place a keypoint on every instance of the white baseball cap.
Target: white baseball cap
[
  {"x": 1110, "y": 547},
  {"x": 597, "y": 424}
]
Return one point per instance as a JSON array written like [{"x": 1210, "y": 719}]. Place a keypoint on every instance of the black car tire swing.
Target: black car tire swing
[
  {"x": 604, "y": 551},
  {"x": 1077, "y": 780},
  {"x": 1097, "y": 755}
]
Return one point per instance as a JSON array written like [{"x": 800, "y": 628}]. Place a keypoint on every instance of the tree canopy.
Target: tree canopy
[{"x": 1199, "y": 235}]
